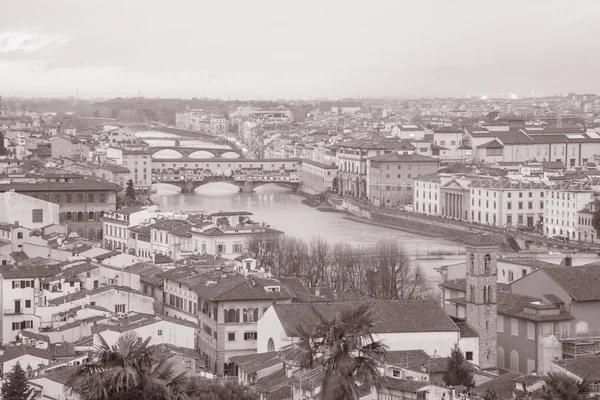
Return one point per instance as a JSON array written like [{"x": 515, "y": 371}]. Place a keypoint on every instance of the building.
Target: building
[
  {"x": 401, "y": 325},
  {"x": 116, "y": 225},
  {"x": 20, "y": 206},
  {"x": 408, "y": 131},
  {"x": 426, "y": 194},
  {"x": 316, "y": 177},
  {"x": 455, "y": 196},
  {"x": 121, "y": 135},
  {"x": 563, "y": 202},
  {"x": 585, "y": 229},
  {"x": 18, "y": 298},
  {"x": 82, "y": 202},
  {"x": 579, "y": 369},
  {"x": 226, "y": 307},
  {"x": 137, "y": 159},
  {"x": 506, "y": 202},
  {"x": 390, "y": 176},
  {"x": 451, "y": 139},
  {"x": 481, "y": 299},
  {"x": 63, "y": 146}
]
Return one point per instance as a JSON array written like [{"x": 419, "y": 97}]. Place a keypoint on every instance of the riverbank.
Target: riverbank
[{"x": 417, "y": 230}]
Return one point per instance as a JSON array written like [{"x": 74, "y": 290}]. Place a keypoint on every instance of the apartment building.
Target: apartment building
[
  {"x": 135, "y": 157},
  {"x": 585, "y": 229},
  {"x": 62, "y": 146},
  {"x": 226, "y": 307},
  {"x": 390, "y": 176},
  {"x": 451, "y": 139},
  {"x": 116, "y": 225},
  {"x": 20, "y": 288},
  {"x": 81, "y": 202},
  {"x": 564, "y": 201},
  {"x": 120, "y": 135},
  {"x": 426, "y": 195},
  {"x": 505, "y": 202},
  {"x": 316, "y": 177}
]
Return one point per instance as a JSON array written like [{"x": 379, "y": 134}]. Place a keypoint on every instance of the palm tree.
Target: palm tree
[
  {"x": 561, "y": 386},
  {"x": 127, "y": 370},
  {"x": 345, "y": 348}
]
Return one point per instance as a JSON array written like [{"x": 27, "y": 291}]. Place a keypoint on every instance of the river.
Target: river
[{"x": 282, "y": 209}]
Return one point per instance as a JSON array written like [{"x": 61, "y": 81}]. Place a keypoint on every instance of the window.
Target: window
[
  {"x": 231, "y": 336},
  {"x": 237, "y": 247},
  {"x": 514, "y": 327},
  {"x": 159, "y": 333},
  {"x": 119, "y": 308},
  {"x": 19, "y": 235},
  {"x": 472, "y": 263},
  {"x": 530, "y": 205},
  {"x": 27, "y": 303},
  {"x": 511, "y": 276},
  {"x": 500, "y": 324},
  {"x": 530, "y": 330},
  {"x": 80, "y": 198},
  {"x": 487, "y": 262},
  {"x": 37, "y": 215},
  {"x": 509, "y": 205},
  {"x": 90, "y": 198},
  {"x": 469, "y": 356},
  {"x": 250, "y": 336},
  {"x": 220, "y": 248}
]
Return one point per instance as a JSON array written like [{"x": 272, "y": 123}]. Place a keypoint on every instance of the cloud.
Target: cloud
[{"x": 18, "y": 46}]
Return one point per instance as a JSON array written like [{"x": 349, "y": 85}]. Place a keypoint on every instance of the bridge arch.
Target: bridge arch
[
  {"x": 230, "y": 154},
  {"x": 167, "y": 154},
  {"x": 199, "y": 154}
]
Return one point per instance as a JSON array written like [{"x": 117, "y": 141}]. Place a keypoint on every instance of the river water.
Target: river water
[{"x": 282, "y": 209}]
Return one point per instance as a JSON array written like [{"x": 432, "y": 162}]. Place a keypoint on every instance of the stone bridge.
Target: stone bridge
[
  {"x": 189, "y": 152},
  {"x": 246, "y": 184}
]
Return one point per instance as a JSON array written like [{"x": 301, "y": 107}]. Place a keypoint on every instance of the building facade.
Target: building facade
[{"x": 316, "y": 177}]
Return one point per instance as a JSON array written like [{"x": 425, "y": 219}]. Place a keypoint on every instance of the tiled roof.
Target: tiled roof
[
  {"x": 507, "y": 184},
  {"x": 255, "y": 362},
  {"x": 582, "y": 367},
  {"x": 403, "y": 385},
  {"x": 481, "y": 240},
  {"x": 493, "y": 144},
  {"x": 147, "y": 273},
  {"x": 300, "y": 292},
  {"x": 139, "y": 321},
  {"x": 466, "y": 330},
  {"x": 129, "y": 210},
  {"x": 391, "y": 316},
  {"x": 328, "y": 293},
  {"x": 168, "y": 224},
  {"x": 60, "y": 375},
  {"x": 62, "y": 349},
  {"x": 410, "y": 359},
  {"x": 582, "y": 283},
  {"x": 74, "y": 186},
  {"x": 503, "y": 385},
  {"x": 455, "y": 284},
  {"x": 31, "y": 271},
  {"x": 274, "y": 381},
  {"x": 514, "y": 305},
  {"x": 10, "y": 353},
  {"x": 395, "y": 157},
  {"x": 81, "y": 294},
  {"x": 34, "y": 335}
]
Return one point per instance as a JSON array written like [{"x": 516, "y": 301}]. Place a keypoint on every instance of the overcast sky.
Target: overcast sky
[{"x": 309, "y": 48}]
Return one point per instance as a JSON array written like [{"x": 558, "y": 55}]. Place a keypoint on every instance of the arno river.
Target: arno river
[{"x": 281, "y": 209}]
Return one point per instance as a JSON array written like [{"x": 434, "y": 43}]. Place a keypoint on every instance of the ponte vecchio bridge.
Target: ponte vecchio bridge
[{"x": 189, "y": 173}]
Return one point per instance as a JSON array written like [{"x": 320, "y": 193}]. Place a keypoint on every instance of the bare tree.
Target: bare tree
[
  {"x": 318, "y": 261},
  {"x": 264, "y": 249}
]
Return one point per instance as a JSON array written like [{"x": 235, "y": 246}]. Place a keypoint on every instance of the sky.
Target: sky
[{"x": 312, "y": 48}]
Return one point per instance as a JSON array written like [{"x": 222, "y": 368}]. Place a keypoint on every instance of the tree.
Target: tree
[
  {"x": 129, "y": 369},
  {"x": 458, "y": 372},
  {"x": 346, "y": 350},
  {"x": 490, "y": 394},
  {"x": 560, "y": 386},
  {"x": 15, "y": 387},
  {"x": 211, "y": 389},
  {"x": 130, "y": 191}
]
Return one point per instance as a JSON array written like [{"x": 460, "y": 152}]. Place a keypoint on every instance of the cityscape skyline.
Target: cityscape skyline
[{"x": 390, "y": 49}]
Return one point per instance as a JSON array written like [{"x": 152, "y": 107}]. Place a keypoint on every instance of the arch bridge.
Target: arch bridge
[
  {"x": 246, "y": 183},
  {"x": 189, "y": 152}
]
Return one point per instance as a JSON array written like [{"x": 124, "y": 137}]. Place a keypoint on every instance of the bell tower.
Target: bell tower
[
  {"x": 2, "y": 108},
  {"x": 482, "y": 289}
]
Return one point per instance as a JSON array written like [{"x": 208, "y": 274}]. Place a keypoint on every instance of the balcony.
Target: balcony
[{"x": 12, "y": 311}]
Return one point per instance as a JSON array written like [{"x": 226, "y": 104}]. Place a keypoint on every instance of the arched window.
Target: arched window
[
  {"x": 485, "y": 293},
  {"x": 69, "y": 216},
  {"x": 232, "y": 315},
  {"x": 472, "y": 263},
  {"x": 500, "y": 356},
  {"x": 91, "y": 216},
  {"x": 101, "y": 214},
  {"x": 95, "y": 284},
  {"x": 487, "y": 263},
  {"x": 472, "y": 297},
  {"x": 270, "y": 345},
  {"x": 514, "y": 361},
  {"x": 80, "y": 216},
  {"x": 581, "y": 327}
]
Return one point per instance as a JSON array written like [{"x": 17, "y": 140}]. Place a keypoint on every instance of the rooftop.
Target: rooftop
[{"x": 581, "y": 282}]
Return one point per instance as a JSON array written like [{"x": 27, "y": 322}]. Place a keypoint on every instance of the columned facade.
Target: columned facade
[{"x": 454, "y": 205}]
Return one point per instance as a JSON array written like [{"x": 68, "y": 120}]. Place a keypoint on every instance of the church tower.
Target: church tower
[{"x": 482, "y": 288}]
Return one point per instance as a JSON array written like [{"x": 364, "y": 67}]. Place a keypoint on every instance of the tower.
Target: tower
[{"x": 482, "y": 289}]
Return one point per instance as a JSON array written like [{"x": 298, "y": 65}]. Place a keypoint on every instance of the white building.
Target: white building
[
  {"x": 563, "y": 202},
  {"x": 402, "y": 325},
  {"x": 506, "y": 202},
  {"x": 15, "y": 206},
  {"x": 116, "y": 224},
  {"x": 451, "y": 139},
  {"x": 426, "y": 194},
  {"x": 18, "y": 298}
]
